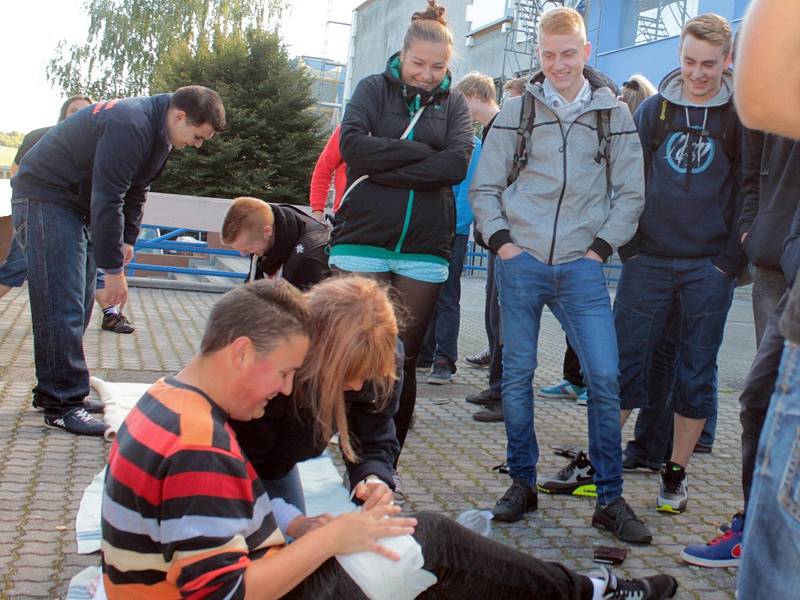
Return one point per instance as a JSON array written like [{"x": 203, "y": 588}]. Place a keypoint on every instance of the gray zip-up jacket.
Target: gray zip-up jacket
[{"x": 560, "y": 206}]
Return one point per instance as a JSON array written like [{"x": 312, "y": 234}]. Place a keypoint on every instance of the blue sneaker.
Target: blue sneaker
[
  {"x": 725, "y": 550},
  {"x": 583, "y": 398},
  {"x": 563, "y": 390}
]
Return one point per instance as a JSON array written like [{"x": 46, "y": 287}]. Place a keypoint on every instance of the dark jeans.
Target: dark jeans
[
  {"x": 61, "y": 282},
  {"x": 441, "y": 339},
  {"x": 572, "y": 367},
  {"x": 768, "y": 288},
  {"x": 576, "y": 293},
  {"x": 651, "y": 292},
  {"x": 493, "y": 321},
  {"x": 289, "y": 488},
  {"x": 758, "y": 388},
  {"x": 467, "y": 567}
]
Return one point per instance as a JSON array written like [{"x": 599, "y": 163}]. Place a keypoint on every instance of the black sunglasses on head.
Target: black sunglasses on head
[{"x": 634, "y": 85}]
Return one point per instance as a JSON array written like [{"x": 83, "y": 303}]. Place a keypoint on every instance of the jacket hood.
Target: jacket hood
[
  {"x": 604, "y": 90},
  {"x": 671, "y": 88},
  {"x": 392, "y": 73}
]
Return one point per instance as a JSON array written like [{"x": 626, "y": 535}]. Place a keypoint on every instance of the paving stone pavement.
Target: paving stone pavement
[{"x": 446, "y": 465}]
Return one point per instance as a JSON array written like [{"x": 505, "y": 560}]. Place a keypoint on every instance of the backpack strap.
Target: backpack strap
[
  {"x": 663, "y": 124},
  {"x": 730, "y": 133},
  {"x": 604, "y": 142},
  {"x": 527, "y": 114}
]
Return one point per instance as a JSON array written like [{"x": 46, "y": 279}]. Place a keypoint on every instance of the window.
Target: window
[{"x": 650, "y": 20}]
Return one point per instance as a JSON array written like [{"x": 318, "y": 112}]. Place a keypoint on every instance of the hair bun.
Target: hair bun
[{"x": 434, "y": 12}]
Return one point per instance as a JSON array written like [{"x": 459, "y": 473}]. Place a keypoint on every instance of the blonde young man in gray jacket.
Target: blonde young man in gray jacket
[{"x": 574, "y": 202}]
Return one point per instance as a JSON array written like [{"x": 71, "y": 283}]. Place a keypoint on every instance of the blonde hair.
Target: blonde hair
[
  {"x": 710, "y": 28},
  {"x": 563, "y": 20},
  {"x": 429, "y": 25},
  {"x": 246, "y": 214},
  {"x": 477, "y": 85},
  {"x": 636, "y": 90},
  {"x": 353, "y": 337},
  {"x": 516, "y": 86}
]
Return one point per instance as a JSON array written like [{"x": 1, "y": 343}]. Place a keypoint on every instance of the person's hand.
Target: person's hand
[
  {"x": 319, "y": 215},
  {"x": 116, "y": 290},
  {"x": 373, "y": 493},
  {"x": 508, "y": 250},
  {"x": 591, "y": 254},
  {"x": 360, "y": 531},
  {"x": 127, "y": 254},
  {"x": 301, "y": 524}
]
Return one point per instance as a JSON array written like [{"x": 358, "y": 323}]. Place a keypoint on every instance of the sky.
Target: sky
[{"x": 32, "y": 29}]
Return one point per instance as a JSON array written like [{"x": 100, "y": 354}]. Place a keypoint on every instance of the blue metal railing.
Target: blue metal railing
[{"x": 166, "y": 242}]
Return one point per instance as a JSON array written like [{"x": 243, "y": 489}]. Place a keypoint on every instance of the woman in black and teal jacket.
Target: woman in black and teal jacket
[{"x": 397, "y": 222}]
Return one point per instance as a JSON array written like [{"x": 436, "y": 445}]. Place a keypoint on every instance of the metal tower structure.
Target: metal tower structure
[
  {"x": 652, "y": 24},
  {"x": 519, "y": 53}
]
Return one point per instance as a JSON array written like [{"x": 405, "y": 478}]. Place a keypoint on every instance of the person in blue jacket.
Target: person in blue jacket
[
  {"x": 440, "y": 349},
  {"x": 122, "y": 145}
]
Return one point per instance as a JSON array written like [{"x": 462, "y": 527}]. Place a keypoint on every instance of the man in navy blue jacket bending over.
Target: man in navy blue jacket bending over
[{"x": 122, "y": 146}]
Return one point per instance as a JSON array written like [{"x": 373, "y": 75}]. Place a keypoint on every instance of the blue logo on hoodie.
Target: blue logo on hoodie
[{"x": 700, "y": 150}]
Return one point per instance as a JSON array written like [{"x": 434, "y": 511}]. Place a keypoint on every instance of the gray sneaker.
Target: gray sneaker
[
  {"x": 619, "y": 518},
  {"x": 673, "y": 494},
  {"x": 491, "y": 413},
  {"x": 441, "y": 373}
]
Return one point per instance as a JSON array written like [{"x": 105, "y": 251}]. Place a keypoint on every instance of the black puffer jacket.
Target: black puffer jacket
[
  {"x": 286, "y": 435},
  {"x": 406, "y": 205}
]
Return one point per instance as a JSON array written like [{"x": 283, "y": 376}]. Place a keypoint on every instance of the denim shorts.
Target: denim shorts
[{"x": 421, "y": 270}]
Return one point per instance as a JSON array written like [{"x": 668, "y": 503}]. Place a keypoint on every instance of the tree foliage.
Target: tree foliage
[
  {"x": 11, "y": 139},
  {"x": 128, "y": 38},
  {"x": 274, "y": 136}
]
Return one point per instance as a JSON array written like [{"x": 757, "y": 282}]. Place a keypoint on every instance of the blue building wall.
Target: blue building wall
[{"x": 611, "y": 22}]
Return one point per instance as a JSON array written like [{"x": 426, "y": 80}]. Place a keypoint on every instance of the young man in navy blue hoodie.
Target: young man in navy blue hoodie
[
  {"x": 683, "y": 262},
  {"x": 122, "y": 145}
]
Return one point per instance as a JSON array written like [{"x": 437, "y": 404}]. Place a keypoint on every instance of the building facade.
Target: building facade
[{"x": 497, "y": 37}]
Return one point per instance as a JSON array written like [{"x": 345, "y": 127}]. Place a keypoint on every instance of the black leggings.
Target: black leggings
[
  {"x": 418, "y": 301},
  {"x": 467, "y": 567}
]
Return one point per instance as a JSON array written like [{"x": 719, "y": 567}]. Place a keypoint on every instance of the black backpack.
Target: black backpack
[{"x": 728, "y": 136}]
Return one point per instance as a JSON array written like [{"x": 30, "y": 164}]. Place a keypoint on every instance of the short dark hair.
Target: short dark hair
[
  {"x": 266, "y": 311},
  {"x": 201, "y": 106},
  {"x": 62, "y": 114}
]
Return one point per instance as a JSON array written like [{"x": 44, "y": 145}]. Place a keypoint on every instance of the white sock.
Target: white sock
[
  {"x": 111, "y": 310},
  {"x": 599, "y": 588}
]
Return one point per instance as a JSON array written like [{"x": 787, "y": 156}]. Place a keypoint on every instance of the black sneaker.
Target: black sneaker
[
  {"x": 442, "y": 372},
  {"x": 117, "y": 323},
  {"x": 619, "y": 519},
  {"x": 576, "y": 479},
  {"x": 630, "y": 463},
  {"x": 480, "y": 359},
  {"x": 491, "y": 413},
  {"x": 77, "y": 421},
  {"x": 655, "y": 587},
  {"x": 482, "y": 398},
  {"x": 518, "y": 499}
]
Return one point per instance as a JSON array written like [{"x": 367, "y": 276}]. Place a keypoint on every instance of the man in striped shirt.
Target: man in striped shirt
[{"x": 184, "y": 513}]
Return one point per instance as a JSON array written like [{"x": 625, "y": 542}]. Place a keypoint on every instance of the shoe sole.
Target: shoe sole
[
  {"x": 588, "y": 490},
  {"x": 640, "y": 469},
  {"x": 666, "y": 507},
  {"x": 65, "y": 430},
  {"x": 487, "y": 420},
  {"x": 709, "y": 564},
  {"x": 512, "y": 518},
  {"x": 435, "y": 381},
  {"x": 597, "y": 524},
  {"x": 476, "y": 366}
]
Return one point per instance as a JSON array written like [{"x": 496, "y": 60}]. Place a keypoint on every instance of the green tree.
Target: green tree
[
  {"x": 11, "y": 139},
  {"x": 273, "y": 138},
  {"x": 128, "y": 38}
]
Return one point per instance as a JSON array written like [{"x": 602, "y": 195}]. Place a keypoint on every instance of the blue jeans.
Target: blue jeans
[
  {"x": 14, "y": 271},
  {"x": 576, "y": 293},
  {"x": 61, "y": 269},
  {"x": 771, "y": 545},
  {"x": 441, "y": 339},
  {"x": 289, "y": 488},
  {"x": 651, "y": 292}
]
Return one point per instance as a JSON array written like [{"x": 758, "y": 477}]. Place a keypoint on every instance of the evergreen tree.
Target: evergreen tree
[
  {"x": 274, "y": 138},
  {"x": 128, "y": 38}
]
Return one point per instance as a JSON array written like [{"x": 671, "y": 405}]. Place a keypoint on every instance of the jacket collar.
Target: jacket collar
[{"x": 604, "y": 90}]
